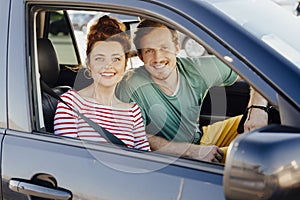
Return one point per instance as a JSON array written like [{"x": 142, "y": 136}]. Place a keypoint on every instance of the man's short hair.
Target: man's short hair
[{"x": 146, "y": 26}]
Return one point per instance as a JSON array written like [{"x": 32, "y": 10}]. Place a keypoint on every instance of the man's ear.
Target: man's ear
[{"x": 140, "y": 56}]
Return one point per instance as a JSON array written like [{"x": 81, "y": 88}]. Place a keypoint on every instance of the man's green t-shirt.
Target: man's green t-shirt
[{"x": 175, "y": 117}]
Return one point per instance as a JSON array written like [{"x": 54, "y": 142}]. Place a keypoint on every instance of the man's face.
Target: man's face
[{"x": 158, "y": 52}]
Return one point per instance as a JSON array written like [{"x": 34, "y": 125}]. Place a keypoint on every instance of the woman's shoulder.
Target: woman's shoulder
[
  {"x": 69, "y": 93},
  {"x": 123, "y": 105},
  {"x": 72, "y": 95},
  {"x": 132, "y": 106},
  {"x": 137, "y": 76}
]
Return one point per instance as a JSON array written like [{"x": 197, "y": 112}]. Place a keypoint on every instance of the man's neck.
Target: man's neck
[{"x": 169, "y": 85}]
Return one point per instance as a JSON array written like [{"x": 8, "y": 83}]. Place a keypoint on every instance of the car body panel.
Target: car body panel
[
  {"x": 90, "y": 171},
  {"x": 18, "y": 99},
  {"x": 4, "y": 13}
]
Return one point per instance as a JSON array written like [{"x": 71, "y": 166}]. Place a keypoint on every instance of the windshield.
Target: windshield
[{"x": 268, "y": 21}]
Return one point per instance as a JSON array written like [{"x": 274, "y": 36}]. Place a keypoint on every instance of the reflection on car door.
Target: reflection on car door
[{"x": 90, "y": 171}]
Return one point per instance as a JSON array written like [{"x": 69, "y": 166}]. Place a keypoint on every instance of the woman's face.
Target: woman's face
[{"x": 107, "y": 63}]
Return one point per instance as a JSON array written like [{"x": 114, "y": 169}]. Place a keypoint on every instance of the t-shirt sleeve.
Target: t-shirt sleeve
[
  {"x": 228, "y": 76},
  {"x": 123, "y": 90},
  {"x": 130, "y": 89},
  {"x": 211, "y": 70},
  {"x": 140, "y": 138}
]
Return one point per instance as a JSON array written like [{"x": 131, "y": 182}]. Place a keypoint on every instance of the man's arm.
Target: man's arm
[
  {"x": 256, "y": 117},
  {"x": 209, "y": 153}
]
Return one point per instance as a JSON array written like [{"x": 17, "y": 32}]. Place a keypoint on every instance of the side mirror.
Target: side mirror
[{"x": 264, "y": 165}]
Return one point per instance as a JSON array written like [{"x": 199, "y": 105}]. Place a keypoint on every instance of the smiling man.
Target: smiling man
[{"x": 170, "y": 91}]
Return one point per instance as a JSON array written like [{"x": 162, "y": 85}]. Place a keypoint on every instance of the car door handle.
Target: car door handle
[{"x": 23, "y": 187}]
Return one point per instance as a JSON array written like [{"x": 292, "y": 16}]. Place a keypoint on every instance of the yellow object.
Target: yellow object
[{"x": 221, "y": 133}]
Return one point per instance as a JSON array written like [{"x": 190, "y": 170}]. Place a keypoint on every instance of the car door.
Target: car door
[{"x": 38, "y": 165}]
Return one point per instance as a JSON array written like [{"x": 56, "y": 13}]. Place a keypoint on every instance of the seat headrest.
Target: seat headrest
[
  {"x": 82, "y": 80},
  {"x": 48, "y": 63}
]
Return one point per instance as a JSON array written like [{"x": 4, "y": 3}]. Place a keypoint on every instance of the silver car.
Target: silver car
[{"x": 256, "y": 38}]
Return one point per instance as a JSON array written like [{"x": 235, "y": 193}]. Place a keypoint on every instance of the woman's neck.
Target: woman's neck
[{"x": 101, "y": 95}]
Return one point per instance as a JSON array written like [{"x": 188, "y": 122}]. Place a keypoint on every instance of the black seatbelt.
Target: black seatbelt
[{"x": 108, "y": 136}]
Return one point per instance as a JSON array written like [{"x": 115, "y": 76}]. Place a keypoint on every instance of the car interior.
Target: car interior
[{"x": 61, "y": 67}]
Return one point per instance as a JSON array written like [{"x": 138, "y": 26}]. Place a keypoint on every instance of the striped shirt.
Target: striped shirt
[{"x": 125, "y": 123}]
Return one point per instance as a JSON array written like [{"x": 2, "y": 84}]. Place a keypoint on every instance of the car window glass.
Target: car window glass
[
  {"x": 82, "y": 21},
  {"x": 218, "y": 107},
  {"x": 59, "y": 34}
]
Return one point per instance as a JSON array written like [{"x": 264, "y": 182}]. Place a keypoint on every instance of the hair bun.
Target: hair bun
[
  {"x": 108, "y": 24},
  {"x": 108, "y": 28}
]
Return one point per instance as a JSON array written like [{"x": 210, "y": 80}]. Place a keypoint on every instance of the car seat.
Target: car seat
[
  {"x": 49, "y": 71},
  {"x": 82, "y": 80}
]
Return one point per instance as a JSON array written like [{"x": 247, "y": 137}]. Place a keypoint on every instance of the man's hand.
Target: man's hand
[
  {"x": 209, "y": 153},
  {"x": 257, "y": 118}
]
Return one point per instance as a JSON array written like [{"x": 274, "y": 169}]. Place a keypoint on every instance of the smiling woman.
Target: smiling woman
[
  {"x": 106, "y": 64},
  {"x": 107, "y": 52}
]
